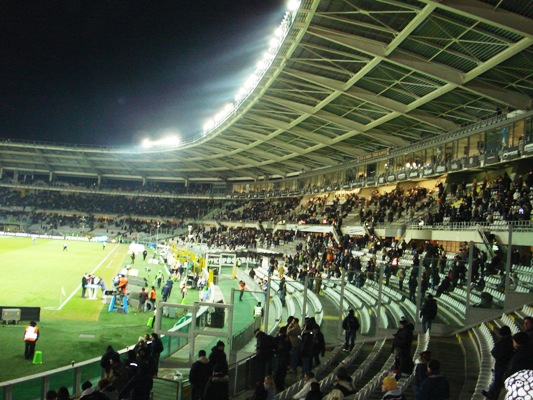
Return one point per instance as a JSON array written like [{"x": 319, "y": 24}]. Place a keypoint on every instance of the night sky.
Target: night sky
[{"x": 104, "y": 72}]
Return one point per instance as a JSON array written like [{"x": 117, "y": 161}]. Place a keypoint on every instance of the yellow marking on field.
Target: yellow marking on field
[{"x": 330, "y": 317}]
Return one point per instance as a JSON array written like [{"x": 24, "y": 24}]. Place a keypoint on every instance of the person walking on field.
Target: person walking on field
[
  {"x": 242, "y": 286},
  {"x": 31, "y": 335}
]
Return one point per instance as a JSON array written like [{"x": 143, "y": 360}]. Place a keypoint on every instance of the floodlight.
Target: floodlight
[
  {"x": 293, "y": 5},
  {"x": 274, "y": 43},
  {"x": 147, "y": 143},
  {"x": 209, "y": 125}
]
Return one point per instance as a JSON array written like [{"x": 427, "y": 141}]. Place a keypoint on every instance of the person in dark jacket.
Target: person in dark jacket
[
  {"x": 314, "y": 393},
  {"x": 306, "y": 349},
  {"x": 105, "y": 360},
  {"x": 140, "y": 386},
  {"x": 155, "y": 350},
  {"x": 218, "y": 356},
  {"x": 421, "y": 371},
  {"x": 217, "y": 387},
  {"x": 428, "y": 312},
  {"x": 401, "y": 347},
  {"x": 282, "y": 349},
  {"x": 522, "y": 356},
  {"x": 351, "y": 325},
  {"x": 319, "y": 345},
  {"x": 502, "y": 353},
  {"x": 199, "y": 375},
  {"x": 436, "y": 386},
  {"x": 264, "y": 354}
]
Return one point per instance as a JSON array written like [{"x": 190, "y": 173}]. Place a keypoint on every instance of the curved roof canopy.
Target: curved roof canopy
[{"x": 352, "y": 77}]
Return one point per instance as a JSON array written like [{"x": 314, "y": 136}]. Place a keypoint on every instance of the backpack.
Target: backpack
[{"x": 335, "y": 394}]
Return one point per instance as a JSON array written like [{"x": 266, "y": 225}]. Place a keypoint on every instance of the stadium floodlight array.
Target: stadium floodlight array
[{"x": 262, "y": 66}]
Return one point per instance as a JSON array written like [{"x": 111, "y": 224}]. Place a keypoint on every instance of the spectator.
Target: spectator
[
  {"x": 217, "y": 387},
  {"x": 264, "y": 354},
  {"x": 199, "y": 375},
  {"x": 436, "y": 386},
  {"x": 270, "y": 387},
  {"x": 140, "y": 386},
  {"x": 401, "y": 347},
  {"x": 309, "y": 378},
  {"x": 343, "y": 382},
  {"x": 350, "y": 324},
  {"x": 528, "y": 328},
  {"x": 314, "y": 393},
  {"x": 523, "y": 354},
  {"x": 63, "y": 393},
  {"x": 319, "y": 345},
  {"x": 218, "y": 356},
  {"x": 293, "y": 332},
  {"x": 502, "y": 353},
  {"x": 428, "y": 312},
  {"x": 390, "y": 388},
  {"x": 155, "y": 350},
  {"x": 421, "y": 371}
]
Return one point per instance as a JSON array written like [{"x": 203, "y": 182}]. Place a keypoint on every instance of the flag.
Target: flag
[{"x": 63, "y": 291}]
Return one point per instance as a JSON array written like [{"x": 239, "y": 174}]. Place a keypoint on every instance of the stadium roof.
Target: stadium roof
[{"x": 351, "y": 77}]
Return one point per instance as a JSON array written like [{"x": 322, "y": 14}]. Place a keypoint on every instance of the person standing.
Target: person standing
[
  {"x": 264, "y": 354},
  {"x": 428, "y": 312},
  {"x": 84, "y": 283},
  {"x": 435, "y": 386},
  {"x": 351, "y": 326},
  {"x": 401, "y": 347},
  {"x": 293, "y": 332},
  {"x": 242, "y": 286},
  {"x": 217, "y": 387},
  {"x": 145, "y": 253},
  {"x": 143, "y": 296},
  {"x": 155, "y": 351},
  {"x": 31, "y": 335},
  {"x": 218, "y": 357},
  {"x": 258, "y": 310},
  {"x": 502, "y": 353},
  {"x": 319, "y": 345},
  {"x": 199, "y": 375},
  {"x": 152, "y": 296}
]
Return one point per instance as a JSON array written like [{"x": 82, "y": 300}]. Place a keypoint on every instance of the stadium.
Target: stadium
[{"x": 377, "y": 155}]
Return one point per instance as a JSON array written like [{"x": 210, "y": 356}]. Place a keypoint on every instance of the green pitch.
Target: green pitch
[{"x": 42, "y": 275}]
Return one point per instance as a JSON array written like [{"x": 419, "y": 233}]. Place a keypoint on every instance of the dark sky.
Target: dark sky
[{"x": 111, "y": 72}]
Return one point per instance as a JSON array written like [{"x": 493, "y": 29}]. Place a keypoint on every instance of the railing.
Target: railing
[{"x": 518, "y": 226}]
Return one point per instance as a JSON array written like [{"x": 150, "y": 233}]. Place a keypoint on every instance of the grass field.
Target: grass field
[{"x": 72, "y": 328}]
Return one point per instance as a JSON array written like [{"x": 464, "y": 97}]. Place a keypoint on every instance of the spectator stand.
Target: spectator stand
[{"x": 484, "y": 342}]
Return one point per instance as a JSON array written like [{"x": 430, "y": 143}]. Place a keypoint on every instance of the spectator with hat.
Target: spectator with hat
[
  {"x": 390, "y": 388},
  {"x": 218, "y": 356}
]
